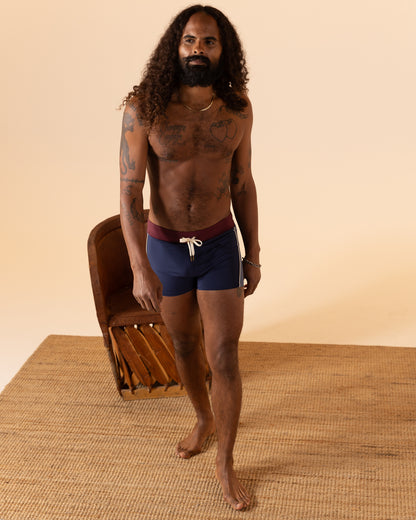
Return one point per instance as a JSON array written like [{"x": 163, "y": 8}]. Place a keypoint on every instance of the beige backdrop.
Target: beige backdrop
[{"x": 332, "y": 84}]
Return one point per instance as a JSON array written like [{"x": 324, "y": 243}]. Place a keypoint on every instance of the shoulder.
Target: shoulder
[
  {"x": 240, "y": 108},
  {"x": 248, "y": 109},
  {"x": 132, "y": 112}
]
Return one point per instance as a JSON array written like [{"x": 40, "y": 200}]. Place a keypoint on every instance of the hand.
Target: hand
[
  {"x": 252, "y": 275},
  {"x": 147, "y": 289}
]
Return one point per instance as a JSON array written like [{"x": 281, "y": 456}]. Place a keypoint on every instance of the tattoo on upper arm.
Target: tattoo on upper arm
[
  {"x": 125, "y": 161},
  {"x": 236, "y": 173},
  {"x": 134, "y": 181}
]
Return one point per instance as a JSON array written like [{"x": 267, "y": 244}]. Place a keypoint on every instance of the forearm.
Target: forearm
[
  {"x": 133, "y": 223},
  {"x": 246, "y": 213}
]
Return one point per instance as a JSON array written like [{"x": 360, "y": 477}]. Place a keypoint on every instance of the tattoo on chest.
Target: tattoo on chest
[
  {"x": 223, "y": 130},
  {"x": 125, "y": 161},
  {"x": 172, "y": 134}
]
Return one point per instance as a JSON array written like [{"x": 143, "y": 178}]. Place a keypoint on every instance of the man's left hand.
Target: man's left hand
[{"x": 252, "y": 276}]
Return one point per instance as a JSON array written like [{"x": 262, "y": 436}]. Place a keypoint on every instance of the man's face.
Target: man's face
[{"x": 200, "y": 51}]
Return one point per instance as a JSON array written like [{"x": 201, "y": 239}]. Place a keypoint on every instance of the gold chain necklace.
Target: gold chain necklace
[{"x": 200, "y": 109}]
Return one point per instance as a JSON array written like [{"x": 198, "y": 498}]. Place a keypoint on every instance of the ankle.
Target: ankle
[
  {"x": 224, "y": 461},
  {"x": 205, "y": 418}
]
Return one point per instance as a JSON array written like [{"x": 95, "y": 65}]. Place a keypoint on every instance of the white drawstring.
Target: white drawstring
[{"x": 191, "y": 243}]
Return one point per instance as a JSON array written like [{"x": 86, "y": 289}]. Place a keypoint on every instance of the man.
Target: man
[{"x": 189, "y": 124}]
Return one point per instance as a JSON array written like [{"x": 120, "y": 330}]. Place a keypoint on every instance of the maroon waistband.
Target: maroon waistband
[{"x": 170, "y": 235}]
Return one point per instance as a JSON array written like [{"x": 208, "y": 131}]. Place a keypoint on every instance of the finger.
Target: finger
[
  {"x": 155, "y": 305},
  {"x": 155, "y": 300},
  {"x": 247, "y": 289}
]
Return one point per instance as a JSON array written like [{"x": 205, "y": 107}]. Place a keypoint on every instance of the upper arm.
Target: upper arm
[
  {"x": 133, "y": 148},
  {"x": 241, "y": 163}
]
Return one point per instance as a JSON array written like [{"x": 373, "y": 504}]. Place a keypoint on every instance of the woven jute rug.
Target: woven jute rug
[{"x": 327, "y": 432}]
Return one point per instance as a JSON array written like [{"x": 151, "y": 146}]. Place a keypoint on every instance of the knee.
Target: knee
[
  {"x": 224, "y": 361},
  {"x": 185, "y": 345}
]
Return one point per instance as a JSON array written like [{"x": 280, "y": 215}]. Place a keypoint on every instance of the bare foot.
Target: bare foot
[
  {"x": 192, "y": 445},
  {"x": 234, "y": 492}
]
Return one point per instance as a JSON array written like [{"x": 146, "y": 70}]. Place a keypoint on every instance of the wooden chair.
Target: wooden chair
[{"x": 139, "y": 347}]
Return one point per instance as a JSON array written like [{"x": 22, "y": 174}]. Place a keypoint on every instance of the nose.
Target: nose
[{"x": 198, "y": 48}]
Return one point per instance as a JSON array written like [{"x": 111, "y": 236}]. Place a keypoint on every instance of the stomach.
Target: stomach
[{"x": 189, "y": 198}]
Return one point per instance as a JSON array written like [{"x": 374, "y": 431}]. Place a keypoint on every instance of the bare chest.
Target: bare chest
[{"x": 186, "y": 137}]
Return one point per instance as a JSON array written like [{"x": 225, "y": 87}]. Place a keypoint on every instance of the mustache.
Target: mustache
[{"x": 190, "y": 59}]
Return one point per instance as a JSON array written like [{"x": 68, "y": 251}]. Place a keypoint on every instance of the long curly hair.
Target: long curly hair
[{"x": 161, "y": 76}]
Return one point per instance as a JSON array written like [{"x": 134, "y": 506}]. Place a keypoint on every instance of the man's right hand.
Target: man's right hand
[{"x": 147, "y": 289}]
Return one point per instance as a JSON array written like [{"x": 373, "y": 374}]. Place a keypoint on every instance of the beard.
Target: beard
[{"x": 198, "y": 75}]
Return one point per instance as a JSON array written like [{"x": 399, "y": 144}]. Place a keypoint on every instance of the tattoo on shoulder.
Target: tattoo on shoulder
[
  {"x": 237, "y": 113},
  {"x": 135, "y": 108},
  {"x": 126, "y": 162}
]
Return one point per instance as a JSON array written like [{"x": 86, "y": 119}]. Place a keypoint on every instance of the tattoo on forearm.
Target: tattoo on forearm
[
  {"x": 223, "y": 130},
  {"x": 126, "y": 213},
  {"x": 137, "y": 215},
  {"x": 125, "y": 161}
]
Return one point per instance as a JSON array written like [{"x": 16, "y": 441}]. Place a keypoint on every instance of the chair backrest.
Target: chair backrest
[{"x": 109, "y": 263}]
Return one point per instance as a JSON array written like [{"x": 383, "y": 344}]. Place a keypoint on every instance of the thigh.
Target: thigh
[
  {"x": 221, "y": 264},
  {"x": 222, "y": 316},
  {"x": 182, "y": 319},
  {"x": 170, "y": 261}
]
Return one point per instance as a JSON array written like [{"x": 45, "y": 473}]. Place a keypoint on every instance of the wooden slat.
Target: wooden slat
[
  {"x": 167, "y": 344},
  {"x": 157, "y": 392},
  {"x": 123, "y": 368},
  {"x": 144, "y": 343},
  {"x": 167, "y": 340},
  {"x": 133, "y": 359},
  {"x": 161, "y": 351}
]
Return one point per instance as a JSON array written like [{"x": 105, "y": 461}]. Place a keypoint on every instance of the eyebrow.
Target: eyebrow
[{"x": 205, "y": 37}]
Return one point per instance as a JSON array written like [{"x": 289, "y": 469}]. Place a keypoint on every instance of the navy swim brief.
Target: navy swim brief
[{"x": 207, "y": 260}]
